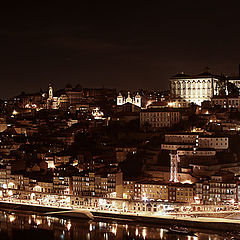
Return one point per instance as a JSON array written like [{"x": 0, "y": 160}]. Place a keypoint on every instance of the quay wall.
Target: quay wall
[
  {"x": 211, "y": 223},
  {"x": 196, "y": 223},
  {"x": 48, "y": 211}
]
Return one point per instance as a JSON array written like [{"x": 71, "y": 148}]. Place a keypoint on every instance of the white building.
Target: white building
[
  {"x": 186, "y": 89},
  {"x": 136, "y": 100}
]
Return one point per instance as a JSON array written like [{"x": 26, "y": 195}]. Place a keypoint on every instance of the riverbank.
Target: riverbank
[
  {"x": 219, "y": 224},
  {"x": 200, "y": 222},
  {"x": 46, "y": 210}
]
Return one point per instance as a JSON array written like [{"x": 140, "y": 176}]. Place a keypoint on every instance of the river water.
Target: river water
[{"x": 19, "y": 226}]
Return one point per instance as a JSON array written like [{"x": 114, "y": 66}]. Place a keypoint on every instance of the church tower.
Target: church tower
[
  {"x": 137, "y": 101},
  {"x": 50, "y": 92},
  {"x": 120, "y": 99},
  {"x": 174, "y": 160},
  {"x": 128, "y": 99}
]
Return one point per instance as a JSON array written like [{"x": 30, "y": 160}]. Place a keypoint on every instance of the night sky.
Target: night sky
[{"x": 115, "y": 44}]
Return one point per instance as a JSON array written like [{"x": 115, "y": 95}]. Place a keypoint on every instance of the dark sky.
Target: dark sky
[{"x": 120, "y": 44}]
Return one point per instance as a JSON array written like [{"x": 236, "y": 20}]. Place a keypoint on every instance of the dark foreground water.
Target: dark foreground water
[{"x": 18, "y": 226}]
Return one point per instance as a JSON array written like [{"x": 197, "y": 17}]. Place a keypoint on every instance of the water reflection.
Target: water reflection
[{"x": 24, "y": 226}]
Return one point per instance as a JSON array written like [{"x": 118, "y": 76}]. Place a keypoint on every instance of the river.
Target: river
[{"x": 21, "y": 226}]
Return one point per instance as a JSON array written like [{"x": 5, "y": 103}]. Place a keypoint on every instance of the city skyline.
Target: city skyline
[{"x": 117, "y": 112}]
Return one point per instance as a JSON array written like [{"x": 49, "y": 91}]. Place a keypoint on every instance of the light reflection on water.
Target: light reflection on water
[{"x": 25, "y": 226}]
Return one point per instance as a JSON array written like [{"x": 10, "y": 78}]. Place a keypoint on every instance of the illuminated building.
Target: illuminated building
[
  {"x": 97, "y": 114},
  {"x": 62, "y": 180},
  {"x": 219, "y": 189},
  {"x": 3, "y": 124},
  {"x": 64, "y": 98},
  {"x": 163, "y": 191},
  {"x": 184, "y": 193},
  {"x": 52, "y": 102},
  {"x": 98, "y": 185},
  {"x": 46, "y": 186},
  {"x": 30, "y": 101},
  {"x": 128, "y": 189},
  {"x": 186, "y": 89},
  {"x": 136, "y": 100},
  {"x": 76, "y": 96},
  {"x": 147, "y": 190}
]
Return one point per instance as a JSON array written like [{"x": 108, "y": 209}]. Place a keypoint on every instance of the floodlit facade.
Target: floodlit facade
[
  {"x": 151, "y": 190},
  {"x": 128, "y": 189},
  {"x": 186, "y": 89},
  {"x": 136, "y": 100},
  {"x": 217, "y": 190},
  {"x": 91, "y": 184},
  {"x": 164, "y": 191}
]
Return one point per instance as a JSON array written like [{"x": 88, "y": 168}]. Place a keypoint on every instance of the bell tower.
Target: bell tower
[
  {"x": 128, "y": 99},
  {"x": 50, "y": 92},
  {"x": 120, "y": 99},
  {"x": 138, "y": 100}
]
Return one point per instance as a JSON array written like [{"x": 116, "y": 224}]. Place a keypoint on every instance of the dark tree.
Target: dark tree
[{"x": 132, "y": 166}]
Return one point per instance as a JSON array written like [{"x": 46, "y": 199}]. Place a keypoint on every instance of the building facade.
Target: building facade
[
  {"x": 186, "y": 89},
  {"x": 136, "y": 100},
  {"x": 217, "y": 190},
  {"x": 163, "y": 191},
  {"x": 226, "y": 102},
  {"x": 198, "y": 141},
  {"x": 159, "y": 118},
  {"x": 98, "y": 185}
]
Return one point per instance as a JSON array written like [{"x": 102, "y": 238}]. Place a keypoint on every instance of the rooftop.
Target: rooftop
[{"x": 167, "y": 109}]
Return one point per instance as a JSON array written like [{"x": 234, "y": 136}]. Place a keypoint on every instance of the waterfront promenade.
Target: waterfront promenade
[{"x": 215, "y": 223}]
